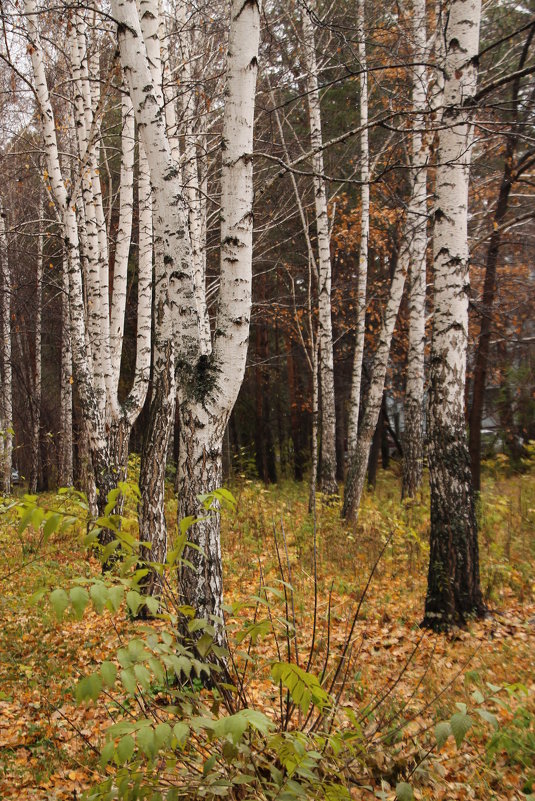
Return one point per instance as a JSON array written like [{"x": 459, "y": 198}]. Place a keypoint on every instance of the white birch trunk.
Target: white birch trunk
[
  {"x": 91, "y": 397},
  {"x": 36, "y": 394},
  {"x": 453, "y": 590},
  {"x": 191, "y": 171},
  {"x": 354, "y": 486},
  {"x": 66, "y": 478},
  {"x": 362, "y": 277},
  {"x": 326, "y": 359},
  {"x": 205, "y": 406},
  {"x": 417, "y": 232},
  {"x": 176, "y": 330},
  {"x": 124, "y": 234},
  {"x": 6, "y": 399}
]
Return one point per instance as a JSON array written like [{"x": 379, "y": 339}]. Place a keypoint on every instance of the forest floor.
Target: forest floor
[{"x": 49, "y": 745}]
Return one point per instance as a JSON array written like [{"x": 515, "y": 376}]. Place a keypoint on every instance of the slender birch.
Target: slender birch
[
  {"x": 362, "y": 277},
  {"x": 417, "y": 229},
  {"x": 453, "y": 590},
  {"x": 96, "y": 342},
  {"x": 206, "y": 403},
  {"x": 326, "y": 359},
  {"x": 7, "y": 382},
  {"x": 356, "y": 476},
  {"x": 36, "y": 390},
  {"x": 65, "y": 450}
]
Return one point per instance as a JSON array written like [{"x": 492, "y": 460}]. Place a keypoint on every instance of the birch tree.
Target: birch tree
[
  {"x": 36, "y": 394},
  {"x": 453, "y": 590},
  {"x": 6, "y": 399},
  {"x": 417, "y": 225},
  {"x": 324, "y": 273},
  {"x": 96, "y": 351},
  {"x": 356, "y": 377},
  {"x": 412, "y": 252},
  {"x": 65, "y": 472},
  {"x": 208, "y": 380}
]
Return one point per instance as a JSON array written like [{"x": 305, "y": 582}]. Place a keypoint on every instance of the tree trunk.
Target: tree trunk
[
  {"x": 417, "y": 235},
  {"x": 362, "y": 276},
  {"x": 510, "y": 173},
  {"x": 453, "y": 591},
  {"x": 326, "y": 361},
  {"x": 66, "y": 478},
  {"x": 36, "y": 396},
  {"x": 200, "y": 472},
  {"x": 152, "y": 525},
  {"x": 357, "y": 470},
  {"x": 295, "y": 428},
  {"x": 7, "y": 388}
]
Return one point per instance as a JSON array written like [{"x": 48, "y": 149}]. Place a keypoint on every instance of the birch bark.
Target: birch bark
[
  {"x": 206, "y": 404},
  {"x": 356, "y": 377},
  {"x": 453, "y": 590},
  {"x": 326, "y": 360},
  {"x": 417, "y": 231},
  {"x": 95, "y": 341},
  {"x": 65, "y": 461},
  {"x": 7, "y": 384},
  {"x": 36, "y": 394},
  {"x": 357, "y": 471},
  {"x": 176, "y": 330}
]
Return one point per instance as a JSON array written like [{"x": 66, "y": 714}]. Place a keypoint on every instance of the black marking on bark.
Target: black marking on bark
[
  {"x": 171, "y": 173},
  {"x": 231, "y": 240}
]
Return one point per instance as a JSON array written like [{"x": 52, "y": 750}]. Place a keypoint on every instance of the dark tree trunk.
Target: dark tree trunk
[
  {"x": 373, "y": 461},
  {"x": 453, "y": 588},
  {"x": 152, "y": 524},
  {"x": 486, "y": 311},
  {"x": 265, "y": 454},
  {"x": 201, "y": 572},
  {"x": 296, "y": 428},
  {"x": 511, "y": 172}
]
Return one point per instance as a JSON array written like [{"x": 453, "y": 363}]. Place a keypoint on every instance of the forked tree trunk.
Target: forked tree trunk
[
  {"x": 453, "y": 590},
  {"x": 207, "y": 398}
]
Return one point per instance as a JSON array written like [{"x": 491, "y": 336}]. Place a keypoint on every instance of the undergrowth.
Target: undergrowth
[{"x": 327, "y": 688}]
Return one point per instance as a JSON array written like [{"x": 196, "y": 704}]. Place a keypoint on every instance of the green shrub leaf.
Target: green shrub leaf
[
  {"x": 79, "y": 599},
  {"x": 404, "y": 792},
  {"x": 460, "y": 723},
  {"x": 108, "y": 671},
  {"x": 125, "y": 748},
  {"x": 60, "y": 601},
  {"x": 442, "y": 732}
]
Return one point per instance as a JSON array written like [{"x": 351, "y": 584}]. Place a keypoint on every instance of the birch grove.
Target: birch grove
[
  {"x": 141, "y": 329},
  {"x": 412, "y": 257},
  {"x": 208, "y": 374},
  {"x": 96, "y": 354}
]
